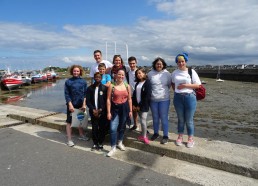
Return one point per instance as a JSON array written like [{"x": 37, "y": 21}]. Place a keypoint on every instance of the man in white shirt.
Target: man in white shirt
[
  {"x": 130, "y": 76},
  {"x": 94, "y": 68}
]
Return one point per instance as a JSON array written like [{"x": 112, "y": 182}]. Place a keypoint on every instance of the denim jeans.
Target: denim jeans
[
  {"x": 117, "y": 129},
  {"x": 185, "y": 106},
  {"x": 159, "y": 110}
]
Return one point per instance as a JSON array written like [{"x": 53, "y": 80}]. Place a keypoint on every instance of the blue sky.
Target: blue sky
[{"x": 35, "y": 33}]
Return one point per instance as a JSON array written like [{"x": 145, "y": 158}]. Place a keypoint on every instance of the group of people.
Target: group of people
[{"x": 119, "y": 92}]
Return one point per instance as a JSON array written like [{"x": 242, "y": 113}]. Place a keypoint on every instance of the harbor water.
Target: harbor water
[{"x": 228, "y": 113}]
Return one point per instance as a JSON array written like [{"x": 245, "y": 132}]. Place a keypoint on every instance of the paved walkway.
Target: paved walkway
[{"x": 230, "y": 157}]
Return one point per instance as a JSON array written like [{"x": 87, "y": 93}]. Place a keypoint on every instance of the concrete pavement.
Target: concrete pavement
[{"x": 229, "y": 157}]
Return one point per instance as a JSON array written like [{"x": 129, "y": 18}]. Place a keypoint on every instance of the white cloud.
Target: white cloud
[{"x": 223, "y": 30}]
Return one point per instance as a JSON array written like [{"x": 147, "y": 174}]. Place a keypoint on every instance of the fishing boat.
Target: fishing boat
[
  {"x": 218, "y": 76},
  {"x": 11, "y": 82},
  {"x": 44, "y": 77},
  {"x": 36, "y": 78},
  {"x": 26, "y": 80},
  {"x": 51, "y": 75}
]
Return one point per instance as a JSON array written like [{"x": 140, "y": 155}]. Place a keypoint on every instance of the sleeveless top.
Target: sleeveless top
[{"x": 119, "y": 96}]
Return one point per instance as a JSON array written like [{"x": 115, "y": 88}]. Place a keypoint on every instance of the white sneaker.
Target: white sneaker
[
  {"x": 70, "y": 143},
  {"x": 111, "y": 152},
  {"x": 121, "y": 146}
]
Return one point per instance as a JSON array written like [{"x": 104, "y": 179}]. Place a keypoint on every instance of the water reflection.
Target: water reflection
[{"x": 47, "y": 96}]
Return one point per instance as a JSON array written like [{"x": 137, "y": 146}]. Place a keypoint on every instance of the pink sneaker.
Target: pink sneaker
[
  {"x": 146, "y": 140},
  {"x": 140, "y": 138}
]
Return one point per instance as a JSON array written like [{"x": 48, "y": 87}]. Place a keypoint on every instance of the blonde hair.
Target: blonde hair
[{"x": 180, "y": 57}]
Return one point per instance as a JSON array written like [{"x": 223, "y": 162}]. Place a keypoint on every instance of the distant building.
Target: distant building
[{"x": 240, "y": 66}]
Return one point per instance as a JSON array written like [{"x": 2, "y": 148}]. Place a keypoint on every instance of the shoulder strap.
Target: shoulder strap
[
  {"x": 112, "y": 93},
  {"x": 126, "y": 85},
  {"x": 190, "y": 73}
]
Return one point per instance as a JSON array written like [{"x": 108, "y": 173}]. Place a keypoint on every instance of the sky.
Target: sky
[{"x": 35, "y": 34}]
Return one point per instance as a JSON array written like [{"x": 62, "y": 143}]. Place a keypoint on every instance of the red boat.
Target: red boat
[{"x": 11, "y": 82}]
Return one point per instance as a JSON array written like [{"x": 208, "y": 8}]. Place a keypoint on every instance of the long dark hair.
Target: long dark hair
[
  {"x": 157, "y": 60},
  {"x": 143, "y": 71}
]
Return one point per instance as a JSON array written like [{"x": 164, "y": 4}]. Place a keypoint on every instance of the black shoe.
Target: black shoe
[
  {"x": 164, "y": 140},
  {"x": 100, "y": 147},
  {"x": 134, "y": 127},
  {"x": 155, "y": 136},
  {"x": 94, "y": 147}
]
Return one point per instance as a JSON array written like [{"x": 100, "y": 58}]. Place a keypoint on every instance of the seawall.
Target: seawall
[{"x": 249, "y": 75}]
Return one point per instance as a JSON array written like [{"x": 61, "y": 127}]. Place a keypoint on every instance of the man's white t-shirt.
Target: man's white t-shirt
[
  {"x": 132, "y": 82},
  {"x": 94, "y": 67}
]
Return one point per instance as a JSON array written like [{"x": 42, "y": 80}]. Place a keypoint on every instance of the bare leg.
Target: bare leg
[
  {"x": 69, "y": 131},
  {"x": 81, "y": 131}
]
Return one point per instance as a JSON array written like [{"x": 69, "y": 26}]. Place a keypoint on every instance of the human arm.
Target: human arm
[
  {"x": 194, "y": 84},
  {"x": 130, "y": 101},
  {"x": 191, "y": 86},
  {"x": 83, "y": 108},
  {"x": 68, "y": 97},
  {"x": 109, "y": 102}
]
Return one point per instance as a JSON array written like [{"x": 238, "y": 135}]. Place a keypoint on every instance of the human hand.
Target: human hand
[
  {"x": 71, "y": 108},
  {"x": 130, "y": 114},
  {"x": 109, "y": 116},
  {"x": 181, "y": 86}
]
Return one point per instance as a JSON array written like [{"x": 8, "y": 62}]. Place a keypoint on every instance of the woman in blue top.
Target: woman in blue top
[{"x": 75, "y": 96}]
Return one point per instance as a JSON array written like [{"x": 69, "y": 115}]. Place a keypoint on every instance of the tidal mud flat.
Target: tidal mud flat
[{"x": 228, "y": 113}]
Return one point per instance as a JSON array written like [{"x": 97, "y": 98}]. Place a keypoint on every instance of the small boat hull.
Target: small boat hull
[
  {"x": 220, "y": 80},
  {"x": 11, "y": 83}
]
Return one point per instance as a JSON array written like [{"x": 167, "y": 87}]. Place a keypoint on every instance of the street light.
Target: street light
[
  {"x": 115, "y": 47},
  {"x": 106, "y": 50},
  {"x": 126, "y": 51}
]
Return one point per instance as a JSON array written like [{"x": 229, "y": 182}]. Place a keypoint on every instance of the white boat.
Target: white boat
[
  {"x": 218, "y": 76},
  {"x": 26, "y": 80},
  {"x": 219, "y": 80},
  {"x": 203, "y": 82}
]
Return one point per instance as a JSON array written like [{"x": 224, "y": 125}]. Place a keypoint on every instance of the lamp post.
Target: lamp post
[
  {"x": 126, "y": 51},
  {"x": 106, "y": 50},
  {"x": 115, "y": 47}
]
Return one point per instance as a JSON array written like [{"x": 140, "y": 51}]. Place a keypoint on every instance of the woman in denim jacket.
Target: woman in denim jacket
[{"x": 75, "y": 96}]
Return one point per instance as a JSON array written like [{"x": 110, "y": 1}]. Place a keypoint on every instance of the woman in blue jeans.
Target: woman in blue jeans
[
  {"x": 119, "y": 107},
  {"x": 184, "y": 98},
  {"x": 160, "y": 80}
]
